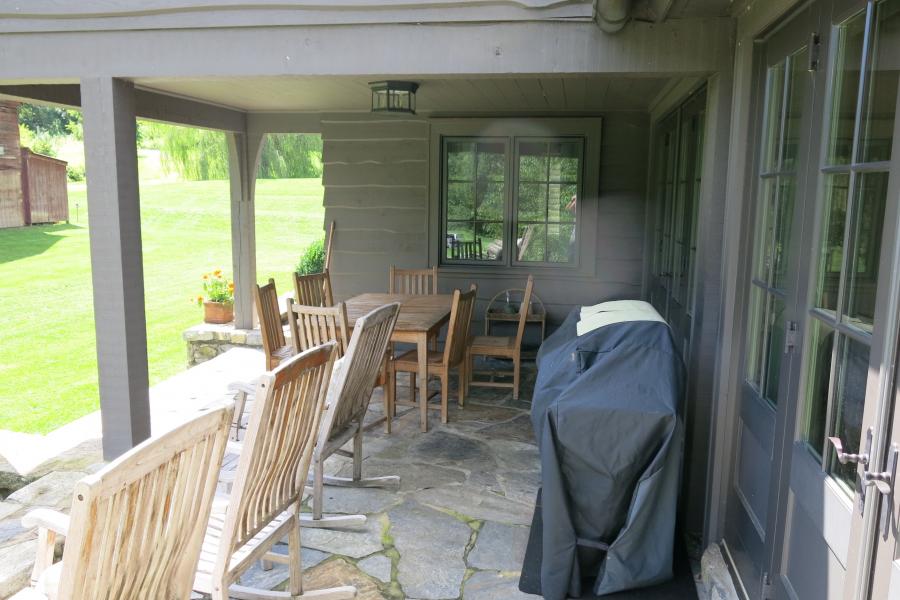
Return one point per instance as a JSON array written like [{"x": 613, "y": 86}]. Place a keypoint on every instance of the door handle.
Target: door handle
[
  {"x": 883, "y": 483},
  {"x": 846, "y": 457}
]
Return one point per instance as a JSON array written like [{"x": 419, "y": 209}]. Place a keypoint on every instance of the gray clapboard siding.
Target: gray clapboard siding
[{"x": 376, "y": 190}]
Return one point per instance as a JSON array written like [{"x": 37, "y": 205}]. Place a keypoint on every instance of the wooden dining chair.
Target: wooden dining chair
[
  {"x": 313, "y": 290},
  {"x": 348, "y": 401},
  {"x": 312, "y": 326},
  {"x": 270, "y": 328},
  {"x": 502, "y": 347},
  {"x": 440, "y": 363},
  {"x": 417, "y": 282},
  {"x": 137, "y": 525},
  {"x": 264, "y": 503}
]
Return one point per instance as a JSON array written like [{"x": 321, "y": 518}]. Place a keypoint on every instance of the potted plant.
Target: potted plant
[{"x": 218, "y": 298}]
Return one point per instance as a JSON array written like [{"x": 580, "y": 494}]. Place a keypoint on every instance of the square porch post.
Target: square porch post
[
  {"x": 243, "y": 155},
  {"x": 116, "y": 261}
]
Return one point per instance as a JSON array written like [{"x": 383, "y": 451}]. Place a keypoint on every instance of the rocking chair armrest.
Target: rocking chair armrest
[{"x": 45, "y": 518}]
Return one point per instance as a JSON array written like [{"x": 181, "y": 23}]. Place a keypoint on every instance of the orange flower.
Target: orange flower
[
  {"x": 231, "y": 286},
  {"x": 205, "y": 276},
  {"x": 217, "y": 272}
]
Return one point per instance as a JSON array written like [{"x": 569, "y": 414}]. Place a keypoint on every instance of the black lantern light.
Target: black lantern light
[{"x": 394, "y": 96}]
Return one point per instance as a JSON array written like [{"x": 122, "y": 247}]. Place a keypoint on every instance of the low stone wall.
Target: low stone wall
[{"x": 206, "y": 341}]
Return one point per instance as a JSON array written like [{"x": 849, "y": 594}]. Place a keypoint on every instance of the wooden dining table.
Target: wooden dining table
[{"x": 420, "y": 320}]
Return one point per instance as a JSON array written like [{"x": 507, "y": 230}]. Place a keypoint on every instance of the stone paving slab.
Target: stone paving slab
[
  {"x": 499, "y": 548},
  {"x": 486, "y": 585},
  {"x": 355, "y": 543}
]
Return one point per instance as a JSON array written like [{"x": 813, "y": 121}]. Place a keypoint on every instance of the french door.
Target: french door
[
  {"x": 814, "y": 514},
  {"x": 787, "y": 87}
]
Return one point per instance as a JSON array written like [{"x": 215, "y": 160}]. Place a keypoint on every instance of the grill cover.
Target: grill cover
[{"x": 605, "y": 413}]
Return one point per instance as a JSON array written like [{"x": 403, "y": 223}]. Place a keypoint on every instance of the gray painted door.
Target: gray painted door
[{"x": 784, "y": 153}]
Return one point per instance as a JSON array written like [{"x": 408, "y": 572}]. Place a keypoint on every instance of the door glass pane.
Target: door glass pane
[
  {"x": 832, "y": 244},
  {"x": 774, "y": 348},
  {"x": 798, "y": 85},
  {"x": 881, "y": 96},
  {"x": 765, "y": 227},
  {"x": 756, "y": 337},
  {"x": 771, "y": 134},
  {"x": 784, "y": 218},
  {"x": 849, "y": 401},
  {"x": 862, "y": 279},
  {"x": 845, "y": 88},
  {"x": 818, "y": 384}
]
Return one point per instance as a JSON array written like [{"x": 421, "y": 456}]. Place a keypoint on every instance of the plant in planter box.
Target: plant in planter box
[{"x": 218, "y": 298}]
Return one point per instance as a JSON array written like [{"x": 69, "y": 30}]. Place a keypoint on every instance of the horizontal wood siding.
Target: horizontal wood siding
[
  {"x": 47, "y": 193},
  {"x": 376, "y": 191}
]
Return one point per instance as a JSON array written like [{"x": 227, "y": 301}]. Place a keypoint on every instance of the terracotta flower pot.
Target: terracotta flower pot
[{"x": 218, "y": 312}]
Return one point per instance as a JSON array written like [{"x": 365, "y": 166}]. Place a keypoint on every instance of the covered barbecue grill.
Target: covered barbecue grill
[{"x": 606, "y": 416}]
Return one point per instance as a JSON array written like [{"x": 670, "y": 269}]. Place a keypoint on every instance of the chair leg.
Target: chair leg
[
  {"x": 357, "y": 454},
  {"x": 318, "y": 482},
  {"x": 240, "y": 401},
  {"x": 462, "y": 383},
  {"x": 295, "y": 586},
  {"x": 412, "y": 387},
  {"x": 445, "y": 393},
  {"x": 517, "y": 370},
  {"x": 388, "y": 402}
]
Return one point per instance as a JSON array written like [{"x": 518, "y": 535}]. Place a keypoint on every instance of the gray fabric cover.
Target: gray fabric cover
[{"x": 605, "y": 413}]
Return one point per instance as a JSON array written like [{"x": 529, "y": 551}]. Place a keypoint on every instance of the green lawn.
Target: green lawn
[{"x": 48, "y": 363}]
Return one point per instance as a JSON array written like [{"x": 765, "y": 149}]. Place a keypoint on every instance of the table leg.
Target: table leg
[{"x": 422, "y": 344}]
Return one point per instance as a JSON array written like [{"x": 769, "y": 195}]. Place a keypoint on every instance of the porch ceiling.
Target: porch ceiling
[{"x": 469, "y": 95}]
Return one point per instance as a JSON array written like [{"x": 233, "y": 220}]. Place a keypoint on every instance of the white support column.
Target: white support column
[
  {"x": 116, "y": 261},
  {"x": 243, "y": 158}
]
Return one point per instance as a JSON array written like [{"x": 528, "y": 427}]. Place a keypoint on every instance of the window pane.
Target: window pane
[
  {"x": 474, "y": 199},
  {"x": 563, "y": 202},
  {"x": 832, "y": 244},
  {"x": 564, "y": 159},
  {"x": 818, "y": 384},
  {"x": 533, "y": 161},
  {"x": 460, "y": 201},
  {"x": 461, "y": 161},
  {"x": 560, "y": 243},
  {"x": 845, "y": 89},
  {"x": 881, "y": 96},
  {"x": 771, "y": 133},
  {"x": 491, "y": 161},
  {"x": 531, "y": 241},
  {"x": 532, "y": 202},
  {"x": 862, "y": 279},
  {"x": 849, "y": 401},
  {"x": 784, "y": 218},
  {"x": 490, "y": 236},
  {"x": 490, "y": 201}
]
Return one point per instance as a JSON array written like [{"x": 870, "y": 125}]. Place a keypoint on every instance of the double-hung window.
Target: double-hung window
[{"x": 511, "y": 200}]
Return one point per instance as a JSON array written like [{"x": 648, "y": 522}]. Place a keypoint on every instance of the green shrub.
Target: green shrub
[
  {"x": 313, "y": 258},
  {"x": 75, "y": 172},
  {"x": 43, "y": 143}
]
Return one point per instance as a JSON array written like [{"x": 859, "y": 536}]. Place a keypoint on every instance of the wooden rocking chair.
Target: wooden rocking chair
[
  {"x": 264, "y": 504},
  {"x": 137, "y": 525},
  {"x": 348, "y": 401}
]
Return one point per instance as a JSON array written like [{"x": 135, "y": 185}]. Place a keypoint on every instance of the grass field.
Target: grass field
[{"x": 48, "y": 363}]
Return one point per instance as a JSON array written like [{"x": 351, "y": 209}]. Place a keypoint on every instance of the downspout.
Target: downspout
[{"x": 612, "y": 15}]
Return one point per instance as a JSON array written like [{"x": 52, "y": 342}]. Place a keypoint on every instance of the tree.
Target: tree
[{"x": 48, "y": 120}]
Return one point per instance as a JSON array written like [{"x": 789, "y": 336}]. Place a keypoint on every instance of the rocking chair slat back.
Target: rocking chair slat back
[
  {"x": 418, "y": 282},
  {"x": 312, "y": 326},
  {"x": 349, "y": 395},
  {"x": 266, "y": 299},
  {"x": 313, "y": 290},
  {"x": 278, "y": 446},
  {"x": 138, "y": 524}
]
